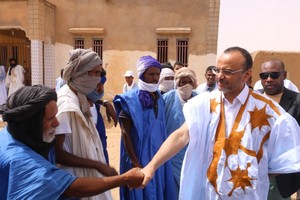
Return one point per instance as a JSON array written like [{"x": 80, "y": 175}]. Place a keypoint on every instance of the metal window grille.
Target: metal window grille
[
  {"x": 98, "y": 47},
  {"x": 182, "y": 51},
  {"x": 78, "y": 43},
  {"x": 162, "y": 50}
]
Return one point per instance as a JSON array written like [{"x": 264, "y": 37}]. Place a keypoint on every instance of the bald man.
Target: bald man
[
  {"x": 236, "y": 138},
  {"x": 272, "y": 77}
]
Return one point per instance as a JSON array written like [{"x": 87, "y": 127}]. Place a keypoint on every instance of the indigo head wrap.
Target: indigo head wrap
[
  {"x": 142, "y": 65},
  {"x": 24, "y": 114}
]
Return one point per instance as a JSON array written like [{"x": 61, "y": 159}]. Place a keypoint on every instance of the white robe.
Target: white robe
[
  {"x": 85, "y": 139},
  {"x": 3, "y": 92},
  {"x": 15, "y": 80},
  {"x": 280, "y": 151}
]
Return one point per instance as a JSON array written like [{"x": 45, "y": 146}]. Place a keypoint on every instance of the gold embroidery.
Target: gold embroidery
[
  {"x": 259, "y": 118},
  {"x": 267, "y": 101},
  {"x": 240, "y": 178},
  {"x": 232, "y": 144},
  {"x": 260, "y": 151},
  {"x": 213, "y": 105},
  {"x": 219, "y": 144}
]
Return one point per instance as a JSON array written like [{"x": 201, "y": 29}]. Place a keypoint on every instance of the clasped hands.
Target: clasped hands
[{"x": 139, "y": 178}]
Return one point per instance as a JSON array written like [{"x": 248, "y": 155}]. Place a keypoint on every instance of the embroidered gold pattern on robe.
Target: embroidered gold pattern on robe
[
  {"x": 240, "y": 178},
  {"x": 231, "y": 145},
  {"x": 259, "y": 118}
]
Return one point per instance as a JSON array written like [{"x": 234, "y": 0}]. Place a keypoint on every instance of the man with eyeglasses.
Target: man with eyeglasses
[
  {"x": 210, "y": 84},
  {"x": 272, "y": 78},
  {"x": 236, "y": 138}
]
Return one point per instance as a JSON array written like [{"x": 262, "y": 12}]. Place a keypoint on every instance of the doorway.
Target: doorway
[{"x": 15, "y": 44}]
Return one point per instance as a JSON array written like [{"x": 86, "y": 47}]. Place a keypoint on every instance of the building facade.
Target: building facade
[{"x": 40, "y": 34}]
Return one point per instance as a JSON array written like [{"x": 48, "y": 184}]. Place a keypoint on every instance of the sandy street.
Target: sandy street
[{"x": 113, "y": 147}]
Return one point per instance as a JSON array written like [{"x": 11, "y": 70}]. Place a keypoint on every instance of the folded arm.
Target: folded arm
[{"x": 65, "y": 158}]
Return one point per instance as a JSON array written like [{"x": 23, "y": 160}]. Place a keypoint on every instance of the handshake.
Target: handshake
[{"x": 137, "y": 177}]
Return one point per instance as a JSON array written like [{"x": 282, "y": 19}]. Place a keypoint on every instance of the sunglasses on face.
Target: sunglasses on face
[{"x": 273, "y": 75}]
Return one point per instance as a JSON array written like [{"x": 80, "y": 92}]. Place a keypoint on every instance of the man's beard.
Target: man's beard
[{"x": 49, "y": 136}]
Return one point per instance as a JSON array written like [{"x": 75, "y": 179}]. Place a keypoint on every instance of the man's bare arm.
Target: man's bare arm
[
  {"x": 172, "y": 145},
  {"x": 85, "y": 187},
  {"x": 126, "y": 125}
]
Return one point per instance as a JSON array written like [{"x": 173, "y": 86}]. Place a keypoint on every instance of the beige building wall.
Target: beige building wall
[
  {"x": 14, "y": 14},
  {"x": 129, "y": 30},
  {"x": 290, "y": 59}
]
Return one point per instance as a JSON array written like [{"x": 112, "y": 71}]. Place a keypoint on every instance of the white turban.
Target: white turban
[
  {"x": 166, "y": 85},
  {"x": 165, "y": 72}
]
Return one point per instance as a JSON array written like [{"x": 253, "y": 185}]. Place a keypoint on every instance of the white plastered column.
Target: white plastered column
[{"x": 36, "y": 62}]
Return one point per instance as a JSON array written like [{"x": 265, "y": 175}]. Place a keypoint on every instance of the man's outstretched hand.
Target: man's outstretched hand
[{"x": 148, "y": 175}]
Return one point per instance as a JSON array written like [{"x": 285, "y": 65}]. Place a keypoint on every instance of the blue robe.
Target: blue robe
[
  {"x": 102, "y": 132},
  {"x": 147, "y": 135},
  {"x": 24, "y": 174},
  {"x": 174, "y": 120}
]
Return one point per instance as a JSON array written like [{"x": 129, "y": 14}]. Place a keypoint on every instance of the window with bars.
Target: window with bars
[
  {"x": 162, "y": 50},
  {"x": 98, "y": 46},
  {"x": 78, "y": 43},
  {"x": 182, "y": 51}
]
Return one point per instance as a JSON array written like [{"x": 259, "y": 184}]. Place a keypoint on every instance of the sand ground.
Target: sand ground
[{"x": 113, "y": 148}]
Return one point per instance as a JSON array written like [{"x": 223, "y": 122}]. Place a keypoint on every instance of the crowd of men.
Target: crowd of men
[{"x": 179, "y": 140}]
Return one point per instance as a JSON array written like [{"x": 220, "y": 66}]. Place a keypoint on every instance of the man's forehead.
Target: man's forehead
[
  {"x": 271, "y": 65},
  {"x": 231, "y": 59}
]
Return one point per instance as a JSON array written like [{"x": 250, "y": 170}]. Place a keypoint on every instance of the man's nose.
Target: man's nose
[
  {"x": 55, "y": 123},
  {"x": 156, "y": 78}
]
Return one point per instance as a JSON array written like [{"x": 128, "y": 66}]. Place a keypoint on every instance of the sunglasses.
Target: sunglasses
[{"x": 273, "y": 75}]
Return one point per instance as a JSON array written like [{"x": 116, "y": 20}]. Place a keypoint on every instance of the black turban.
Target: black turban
[{"x": 24, "y": 114}]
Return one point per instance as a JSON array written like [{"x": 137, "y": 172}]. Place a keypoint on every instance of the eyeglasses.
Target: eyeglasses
[
  {"x": 273, "y": 75},
  {"x": 226, "y": 72}
]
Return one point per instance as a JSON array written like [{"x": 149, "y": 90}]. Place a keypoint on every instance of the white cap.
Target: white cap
[{"x": 128, "y": 73}]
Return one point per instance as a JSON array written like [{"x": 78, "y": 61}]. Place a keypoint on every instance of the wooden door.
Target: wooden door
[{"x": 19, "y": 48}]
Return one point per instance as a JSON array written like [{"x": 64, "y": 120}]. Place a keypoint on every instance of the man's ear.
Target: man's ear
[
  {"x": 284, "y": 74},
  {"x": 247, "y": 75}
]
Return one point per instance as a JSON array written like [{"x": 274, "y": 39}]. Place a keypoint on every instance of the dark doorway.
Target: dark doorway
[{"x": 15, "y": 44}]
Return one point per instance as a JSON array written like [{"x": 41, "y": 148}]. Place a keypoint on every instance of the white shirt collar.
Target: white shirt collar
[{"x": 241, "y": 97}]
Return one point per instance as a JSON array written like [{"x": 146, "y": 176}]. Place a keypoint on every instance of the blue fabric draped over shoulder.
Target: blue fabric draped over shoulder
[
  {"x": 102, "y": 132},
  {"x": 174, "y": 120},
  {"x": 24, "y": 174},
  {"x": 147, "y": 135}
]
